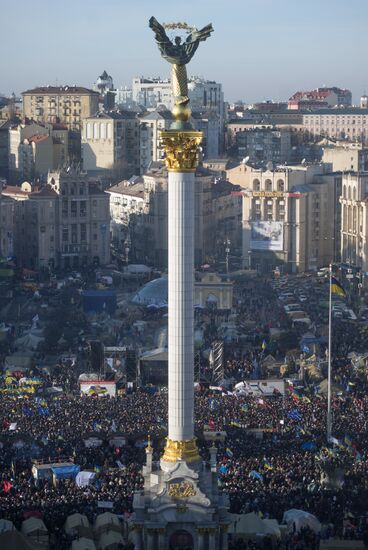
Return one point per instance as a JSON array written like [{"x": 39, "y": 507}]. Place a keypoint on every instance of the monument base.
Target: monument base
[{"x": 180, "y": 508}]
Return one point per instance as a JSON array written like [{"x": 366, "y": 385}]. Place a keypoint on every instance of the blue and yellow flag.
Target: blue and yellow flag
[{"x": 336, "y": 287}]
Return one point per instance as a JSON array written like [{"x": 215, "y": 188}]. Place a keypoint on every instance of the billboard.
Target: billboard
[
  {"x": 267, "y": 235},
  {"x": 98, "y": 388}
]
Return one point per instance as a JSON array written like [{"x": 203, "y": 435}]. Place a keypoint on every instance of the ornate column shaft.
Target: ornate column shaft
[{"x": 181, "y": 159}]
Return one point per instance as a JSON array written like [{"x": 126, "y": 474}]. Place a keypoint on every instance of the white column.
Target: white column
[{"x": 181, "y": 291}]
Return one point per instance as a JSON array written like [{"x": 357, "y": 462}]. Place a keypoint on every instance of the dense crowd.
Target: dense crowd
[{"x": 279, "y": 471}]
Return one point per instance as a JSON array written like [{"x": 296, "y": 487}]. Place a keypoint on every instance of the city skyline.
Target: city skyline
[{"x": 261, "y": 50}]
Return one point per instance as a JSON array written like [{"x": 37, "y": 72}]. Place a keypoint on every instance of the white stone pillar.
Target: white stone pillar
[{"x": 181, "y": 290}]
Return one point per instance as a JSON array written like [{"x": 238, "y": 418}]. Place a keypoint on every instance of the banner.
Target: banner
[
  {"x": 98, "y": 388},
  {"x": 267, "y": 235}
]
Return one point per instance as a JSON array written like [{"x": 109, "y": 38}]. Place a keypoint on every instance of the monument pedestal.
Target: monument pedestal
[{"x": 181, "y": 508}]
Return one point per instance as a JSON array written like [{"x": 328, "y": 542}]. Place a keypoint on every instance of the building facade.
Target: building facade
[
  {"x": 346, "y": 157},
  {"x": 321, "y": 97},
  {"x": 354, "y": 220},
  {"x": 110, "y": 142},
  {"x": 65, "y": 104},
  {"x": 288, "y": 217},
  {"x": 67, "y": 223},
  {"x": 150, "y": 147},
  {"x": 264, "y": 145},
  {"x": 350, "y": 124}
]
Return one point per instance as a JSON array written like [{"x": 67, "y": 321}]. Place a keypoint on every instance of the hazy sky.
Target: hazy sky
[{"x": 261, "y": 49}]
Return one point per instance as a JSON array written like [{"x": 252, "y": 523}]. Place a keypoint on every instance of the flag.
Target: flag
[
  {"x": 294, "y": 414},
  {"x": 309, "y": 446},
  {"x": 223, "y": 469},
  {"x": 229, "y": 452},
  {"x": 267, "y": 465},
  {"x": 256, "y": 475},
  {"x": 264, "y": 345},
  {"x": 97, "y": 469},
  {"x": 305, "y": 349},
  {"x": 235, "y": 424},
  {"x": 212, "y": 404},
  {"x": 113, "y": 426},
  {"x": 306, "y": 399},
  {"x": 336, "y": 287},
  {"x": 7, "y": 486},
  {"x": 334, "y": 440},
  {"x": 347, "y": 441},
  {"x": 295, "y": 396},
  {"x": 211, "y": 424}
]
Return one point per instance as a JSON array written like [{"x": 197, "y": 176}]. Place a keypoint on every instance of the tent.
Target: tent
[
  {"x": 13, "y": 540},
  {"x": 29, "y": 341},
  {"x": 74, "y": 522},
  {"x": 110, "y": 541},
  {"x": 272, "y": 527},
  {"x": 107, "y": 521},
  {"x": 83, "y": 544},
  {"x": 251, "y": 525},
  {"x": 299, "y": 519},
  {"x": 246, "y": 524},
  {"x": 323, "y": 386},
  {"x": 66, "y": 471},
  {"x": 6, "y": 525},
  {"x": 84, "y": 478},
  {"x": 36, "y": 529}
]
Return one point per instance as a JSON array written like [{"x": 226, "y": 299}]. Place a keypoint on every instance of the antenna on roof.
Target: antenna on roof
[
  {"x": 304, "y": 161},
  {"x": 245, "y": 160}
]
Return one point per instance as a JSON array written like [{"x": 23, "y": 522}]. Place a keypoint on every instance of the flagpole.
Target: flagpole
[{"x": 329, "y": 416}]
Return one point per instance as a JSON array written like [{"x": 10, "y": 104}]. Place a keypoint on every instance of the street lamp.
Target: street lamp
[
  {"x": 127, "y": 245},
  {"x": 227, "y": 244}
]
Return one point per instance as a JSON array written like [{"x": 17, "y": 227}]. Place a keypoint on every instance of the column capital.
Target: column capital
[{"x": 181, "y": 149}]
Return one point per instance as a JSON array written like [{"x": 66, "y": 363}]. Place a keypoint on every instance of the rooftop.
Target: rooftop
[
  {"x": 59, "y": 90},
  {"x": 115, "y": 115},
  {"x": 124, "y": 188},
  {"x": 9, "y": 190}
]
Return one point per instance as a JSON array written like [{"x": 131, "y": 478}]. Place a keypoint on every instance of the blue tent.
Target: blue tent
[{"x": 66, "y": 472}]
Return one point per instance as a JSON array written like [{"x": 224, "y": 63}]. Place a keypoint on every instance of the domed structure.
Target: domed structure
[
  {"x": 104, "y": 83},
  {"x": 153, "y": 293}
]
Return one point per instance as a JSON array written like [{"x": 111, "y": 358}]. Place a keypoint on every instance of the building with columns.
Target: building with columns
[
  {"x": 354, "y": 220},
  {"x": 289, "y": 216}
]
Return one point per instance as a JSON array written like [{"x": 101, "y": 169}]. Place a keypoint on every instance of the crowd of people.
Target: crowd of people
[{"x": 269, "y": 461}]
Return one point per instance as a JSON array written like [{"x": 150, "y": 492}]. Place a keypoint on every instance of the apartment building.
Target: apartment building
[
  {"x": 110, "y": 142},
  {"x": 63, "y": 104},
  {"x": 343, "y": 124}
]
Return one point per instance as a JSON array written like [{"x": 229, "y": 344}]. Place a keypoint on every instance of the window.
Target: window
[
  {"x": 83, "y": 230},
  {"x": 65, "y": 236},
  {"x": 268, "y": 185},
  {"x": 109, "y": 131},
  {"x": 74, "y": 233},
  {"x": 103, "y": 130},
  {"x": 256, "y": 185},
  {"x": 280, "y": 185},
  {"x": 89, "y": 131}
]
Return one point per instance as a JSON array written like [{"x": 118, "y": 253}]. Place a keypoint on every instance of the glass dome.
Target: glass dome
[{"x": 153, "y": 293}]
